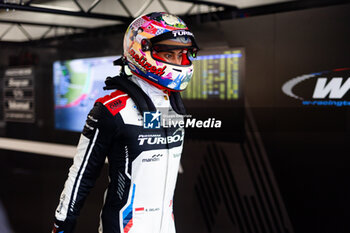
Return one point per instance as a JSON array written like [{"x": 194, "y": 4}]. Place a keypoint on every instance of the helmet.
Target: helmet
[{"x": 151, "y": 33}]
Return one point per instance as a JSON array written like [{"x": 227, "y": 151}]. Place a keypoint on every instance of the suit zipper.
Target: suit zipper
[{"x": 166, "y": 178}]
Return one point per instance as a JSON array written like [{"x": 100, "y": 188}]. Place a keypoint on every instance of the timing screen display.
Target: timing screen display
[{"x": 215, "y": 76}]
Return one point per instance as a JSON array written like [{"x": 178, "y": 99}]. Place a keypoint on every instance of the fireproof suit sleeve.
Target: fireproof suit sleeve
[{"x": 89, "y": 159}]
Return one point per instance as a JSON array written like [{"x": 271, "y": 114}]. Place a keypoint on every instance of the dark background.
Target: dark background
[{"x": 306, "y": 147}]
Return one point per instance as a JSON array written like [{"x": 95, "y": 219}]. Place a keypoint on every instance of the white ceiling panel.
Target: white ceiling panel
[
  {"x": 247, "y": 3},
  {"x": 112, "y": 7},
  {"x": 55, "y": 19},
  {"x": 115, "y": 8},
  {"x": 35, "y": 32},
  {"x": 14, "y": 34},
  {"x": 60, "y": 32},
  {"x": 4, "y": 27},
  {"x": 136, "y": 7},
  {"x": 66, "y": 5}
]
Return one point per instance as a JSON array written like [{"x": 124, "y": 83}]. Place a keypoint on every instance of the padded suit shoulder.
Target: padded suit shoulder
[{"x": 114, "y": 102}]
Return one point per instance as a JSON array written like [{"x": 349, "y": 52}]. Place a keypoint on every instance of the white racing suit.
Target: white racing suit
[{"x": 143, "y": 167}]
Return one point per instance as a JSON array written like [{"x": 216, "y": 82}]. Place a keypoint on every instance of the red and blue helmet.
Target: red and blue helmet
[{"x": 146, "y": 36}]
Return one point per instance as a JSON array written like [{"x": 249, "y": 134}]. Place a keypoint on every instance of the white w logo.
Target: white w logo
[{"x": 334, "y": 88}]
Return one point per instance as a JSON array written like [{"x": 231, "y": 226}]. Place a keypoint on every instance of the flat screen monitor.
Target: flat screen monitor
[
  {"x": 77, "y": 84},
  {"x": 215, "y": 93}
]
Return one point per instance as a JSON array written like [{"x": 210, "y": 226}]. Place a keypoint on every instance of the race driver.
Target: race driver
[{"x": 143, "y": 157}]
